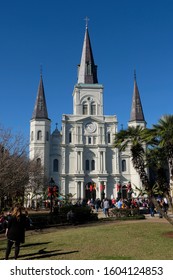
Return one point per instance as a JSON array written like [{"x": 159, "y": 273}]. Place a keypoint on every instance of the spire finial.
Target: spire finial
[
  {"x": 56, "y": 125},
  {"x": 86, "y": 19},
  {"x": 41, "y": 70},
  {"x": 135, "y": 74}
]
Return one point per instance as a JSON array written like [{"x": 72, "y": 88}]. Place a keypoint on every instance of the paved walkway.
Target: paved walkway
[{"x": 148, "y": 217}]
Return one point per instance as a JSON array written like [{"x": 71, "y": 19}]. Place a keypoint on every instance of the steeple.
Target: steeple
[
  {"x": 136, "y": 110},
  {"x": 87, "y": 71},
  {"x": 40, "y": 108}
]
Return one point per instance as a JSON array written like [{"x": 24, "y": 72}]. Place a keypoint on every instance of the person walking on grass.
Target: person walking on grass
[
  {"x": 106, "y": 207},
  {"x": 15, "y": 231}
]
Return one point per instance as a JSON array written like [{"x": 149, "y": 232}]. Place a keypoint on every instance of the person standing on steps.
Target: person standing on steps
[{"x": 15, "y": 231}]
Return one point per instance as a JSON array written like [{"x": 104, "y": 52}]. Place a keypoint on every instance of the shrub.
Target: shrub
[
  {"x": 82, "y": 214},
  {"x": 125, "y": 212}
]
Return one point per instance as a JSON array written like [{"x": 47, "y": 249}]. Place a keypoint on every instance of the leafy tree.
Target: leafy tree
[{"x": 15, "y": 167}]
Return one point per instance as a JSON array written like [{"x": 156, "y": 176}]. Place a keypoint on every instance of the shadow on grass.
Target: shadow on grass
[
  {"x": 114, "y": 258},
  {"x": 44, "y": 254},
  {"x": 34, "y": 244},
  {"x": 27, "y": 245}
]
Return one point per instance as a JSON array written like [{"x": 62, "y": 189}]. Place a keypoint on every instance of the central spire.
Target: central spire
[
  {"x": 87, "y": 72},
  {"x": 136, "y": 110}
]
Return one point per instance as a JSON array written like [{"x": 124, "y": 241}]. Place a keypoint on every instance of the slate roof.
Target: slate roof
[
  {"x": 136, "y": 109},
  {"x": 87, "y": 73},
  {"x": 40, "y": 108}
]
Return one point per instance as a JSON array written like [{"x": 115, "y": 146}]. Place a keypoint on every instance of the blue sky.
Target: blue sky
[{"x": 125, "y": 35}]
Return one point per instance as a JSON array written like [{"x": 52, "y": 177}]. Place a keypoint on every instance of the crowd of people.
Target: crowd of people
[
  {"x": 15, "y": 222},
  {"x": 141, "y": 203}
]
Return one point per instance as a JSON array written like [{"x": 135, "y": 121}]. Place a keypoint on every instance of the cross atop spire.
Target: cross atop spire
[
  {"x": 41, "y": 70},
  {"x": 86, "y": 19},
  {"x": 135, "y": 74}
]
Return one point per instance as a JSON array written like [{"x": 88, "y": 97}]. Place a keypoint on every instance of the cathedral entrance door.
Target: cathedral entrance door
[
  {"x": 124, "y": 192},
  {"x": 90, "y": 191}
]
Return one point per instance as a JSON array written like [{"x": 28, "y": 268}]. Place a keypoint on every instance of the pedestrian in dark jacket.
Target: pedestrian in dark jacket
[
  {"x": 151, "y": 207},
  {"x": 15, "y": 231}
]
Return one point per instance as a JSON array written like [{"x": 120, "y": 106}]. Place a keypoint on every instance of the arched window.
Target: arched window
[
  {"x": 93, "y": 164},
  {"x": 93, "y": 108},
  {"x": 38, "y": 161},
  {"x": 85, "y": 108},
  {"x": 55, "y": 165},
  {"x": 32, "y": 135},
  {"x": 70, "y": 137},
  {"x": 39, "y": 135},
  {"x": 47, "y": 136},
  {"x": 123, "y": 165},
  {"x": 109, "y": 138},
  {"x": 87, "y": 165},
  {"x": 89, "y": 140}
]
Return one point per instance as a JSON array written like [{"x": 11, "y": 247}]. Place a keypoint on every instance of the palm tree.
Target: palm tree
[
  {"x": 157, "y": 163},
  {"x": 135, "y": 139},
  {"x": 163, "y": 133}
]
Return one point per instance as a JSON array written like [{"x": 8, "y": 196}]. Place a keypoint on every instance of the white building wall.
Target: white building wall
[{"x": 40, "y": 147}]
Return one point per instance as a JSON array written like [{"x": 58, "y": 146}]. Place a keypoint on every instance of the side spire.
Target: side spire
[
  {"x": 87, "y": 71},
  {"x": 136, "y": 109},
  {"x": 40, "y": 108}
]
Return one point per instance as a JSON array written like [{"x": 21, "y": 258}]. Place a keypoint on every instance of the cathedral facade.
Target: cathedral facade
[{"x": 81, "y": 158}]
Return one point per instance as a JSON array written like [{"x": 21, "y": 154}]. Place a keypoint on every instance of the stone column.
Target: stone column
[
  {"x": 106, "y": 191},
  {"x": 81, "y": 160},
  {"x": 101, "y": 162},
  {"x": 78, "y": 190},
  {"x": 82, "y": 189},
  {"x": 104, "y": 162}
]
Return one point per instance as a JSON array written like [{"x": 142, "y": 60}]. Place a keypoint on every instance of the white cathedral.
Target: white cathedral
[{"x": 81, "y": 158}]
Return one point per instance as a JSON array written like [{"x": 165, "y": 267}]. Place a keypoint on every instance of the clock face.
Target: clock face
[{"x": 90, "y": 127}]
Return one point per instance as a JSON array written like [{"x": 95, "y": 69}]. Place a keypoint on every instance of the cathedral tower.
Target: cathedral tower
[
  {"x": 136, "y": 119},
  {"x": 89, "y": 157},
  {"x": 40, "y": 130}
]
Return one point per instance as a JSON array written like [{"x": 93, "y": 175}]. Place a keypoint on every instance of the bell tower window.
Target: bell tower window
[
  {"x": 93, "y": 109},
  {"x": 32, "y": 135},
  {"x": 47, "y": 136},
  {"x": 38, "y": 161},
  {"x": 39, "y": 135},
  {"x": 85, "y": 108}
]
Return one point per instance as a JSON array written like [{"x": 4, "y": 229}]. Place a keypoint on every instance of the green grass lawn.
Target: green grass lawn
[{"x": 140, "y": 240}]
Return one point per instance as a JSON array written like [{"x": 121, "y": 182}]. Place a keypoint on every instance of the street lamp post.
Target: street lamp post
[{"x": 51, "y": 192}]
